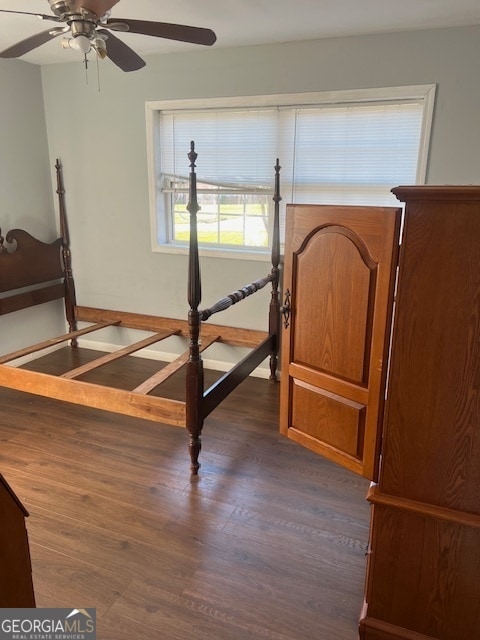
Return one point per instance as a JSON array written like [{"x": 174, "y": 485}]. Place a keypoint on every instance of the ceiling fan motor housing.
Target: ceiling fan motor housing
[
  {"x": 61, "y": 7},
  {"x": 82, "y": 22},
  {"x": 82, "y": 28}
]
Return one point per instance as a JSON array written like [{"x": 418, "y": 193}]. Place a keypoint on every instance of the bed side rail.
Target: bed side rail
[{"x": 220, "y": 389}]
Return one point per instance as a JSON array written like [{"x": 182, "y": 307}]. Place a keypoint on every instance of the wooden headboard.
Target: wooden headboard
[
  {"x": 42, "y": 268},
  {"x": 25, "y": 262}
]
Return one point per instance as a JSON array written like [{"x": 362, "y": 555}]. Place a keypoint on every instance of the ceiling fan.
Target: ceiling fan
[{"x": 90, "y": 27}]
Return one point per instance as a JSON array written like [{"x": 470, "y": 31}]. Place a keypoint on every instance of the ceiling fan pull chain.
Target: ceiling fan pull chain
[
  {"x": 98, "y": 73},
  {"x": 85, "y": 62}
]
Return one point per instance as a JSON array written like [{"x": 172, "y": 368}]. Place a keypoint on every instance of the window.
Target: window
[{"x": 336, "y": 148}]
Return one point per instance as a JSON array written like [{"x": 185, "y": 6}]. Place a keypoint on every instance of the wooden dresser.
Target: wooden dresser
[
  {"x": 16, "y": 586},
  {"x": 423, "y": 577}
]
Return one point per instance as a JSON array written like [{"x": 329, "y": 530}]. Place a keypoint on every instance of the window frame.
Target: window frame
[{"x": 425, "y": 93}]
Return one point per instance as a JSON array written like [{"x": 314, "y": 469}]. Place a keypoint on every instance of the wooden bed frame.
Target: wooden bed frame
[{"x": 32, "y": 272}]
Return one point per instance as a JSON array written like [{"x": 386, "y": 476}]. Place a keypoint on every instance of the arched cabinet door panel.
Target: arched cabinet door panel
[{"x": 340, "y": 267}]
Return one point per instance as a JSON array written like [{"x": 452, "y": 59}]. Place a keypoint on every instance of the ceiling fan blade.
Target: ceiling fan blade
[
  {"x": 24, "y": 46},
  {"x": 42, "y": 16},
  {"x": 121, "y": 54},
  {"x": 195, "y": 35},
  {"x": 98, "y": 7}
]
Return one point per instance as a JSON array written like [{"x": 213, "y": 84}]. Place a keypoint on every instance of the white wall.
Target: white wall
[
  {"x": 25, "y": 188},
  {"x": 100, "y": 137}
]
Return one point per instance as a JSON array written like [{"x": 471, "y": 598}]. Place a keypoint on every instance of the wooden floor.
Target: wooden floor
[{"x": 268, "y": 542}]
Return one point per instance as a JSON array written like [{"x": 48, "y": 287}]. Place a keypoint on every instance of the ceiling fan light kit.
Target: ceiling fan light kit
[
  {"x": 89, "y": 24},
  {"x": 80, "y": 43}
]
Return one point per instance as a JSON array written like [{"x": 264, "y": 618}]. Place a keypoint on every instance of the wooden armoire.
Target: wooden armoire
[{"x": 423, "y": 567}]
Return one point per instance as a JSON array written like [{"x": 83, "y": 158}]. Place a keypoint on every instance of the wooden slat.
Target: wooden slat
[
  {"x": 53, "y": 341},
  {"x": 169, "y": 370},
  {"x": 115, "y": 355},
  {"x": 228, "y": 335},
  {"x": 93, "y": 395}
]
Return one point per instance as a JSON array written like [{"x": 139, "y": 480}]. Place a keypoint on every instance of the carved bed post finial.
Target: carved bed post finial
[
  {"x": 194, "y": 378},
  {"x": 70, "y": 298},
  {"x": 194, "y": 281},
  {"x": 274, "y": 312},
  {"x": 61, "y": 204}
]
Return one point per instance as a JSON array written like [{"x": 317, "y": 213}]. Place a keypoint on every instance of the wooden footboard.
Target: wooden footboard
[{"x": 138, "y": 405}]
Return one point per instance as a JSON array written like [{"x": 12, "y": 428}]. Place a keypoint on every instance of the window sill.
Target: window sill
[{"x": 211, "y": 252}]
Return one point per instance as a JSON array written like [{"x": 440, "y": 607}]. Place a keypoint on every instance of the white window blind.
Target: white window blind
[
  {"x": 349, "y": 154},
  {"x": 236, "y": 147},
  {"x": 338, "y": 150}
]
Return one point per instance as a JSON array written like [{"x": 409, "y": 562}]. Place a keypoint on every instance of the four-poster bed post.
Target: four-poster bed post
[
  {"x": 194, "y": 377},
  {"x": 70, "y": 298}
]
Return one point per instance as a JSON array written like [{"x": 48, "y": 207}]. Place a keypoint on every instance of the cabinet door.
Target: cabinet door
[{"x": 340, "y": 266}]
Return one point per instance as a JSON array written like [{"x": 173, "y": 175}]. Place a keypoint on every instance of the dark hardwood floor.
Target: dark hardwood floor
[{"x": 268, "y": 542}]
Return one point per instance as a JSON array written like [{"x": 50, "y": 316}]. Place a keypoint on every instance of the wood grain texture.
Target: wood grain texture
[
  {"x": 229, "y": 335},
  {"x": 21, "y": 251},
  {"x": 35, "y": 348},
  {"x": 268, "y": 543},
  {"x": 338, "y": 345},
  {"x": 340, "y": 265},
  {"x": 374, "y": 496},
  {"x": 31, "y": 298},
  {"x": 339, "y": 422},
  {"x": 170, "y": 369},
  {"x": 119, "y": 353},
  {"x": 423, "y": 576},
  {"x": 426, "y": 578},
  {"x": 93, "y": 395},
  {"x": 434, "y": 402},
  {"x": 372, "y": 629}
]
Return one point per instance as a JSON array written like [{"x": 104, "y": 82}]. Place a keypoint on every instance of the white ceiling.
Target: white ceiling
[{"x": 248, "y": 22}]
